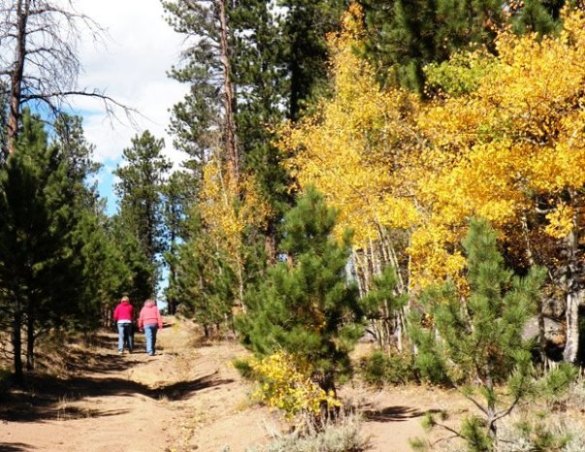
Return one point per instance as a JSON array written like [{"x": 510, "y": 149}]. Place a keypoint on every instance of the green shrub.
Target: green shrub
[
  {"x": 380, "y": 368},
  {"x": 5, "y": 380},
  {"x": 244, "y": 368}
]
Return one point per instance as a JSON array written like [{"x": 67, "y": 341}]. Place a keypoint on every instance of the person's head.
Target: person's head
[
  {"x": 125, "y": 300},
  {"x": 149, "y": 302}
]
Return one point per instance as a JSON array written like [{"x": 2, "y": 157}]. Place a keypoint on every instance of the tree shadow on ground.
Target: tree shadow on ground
[
  {"x": 79, "y": 361},
  {"x": 97, "y": 356},
  {"x": 392, "y": 414},
  {"x": 50, "y": 398},
  {"x": 14, "y": 447}
]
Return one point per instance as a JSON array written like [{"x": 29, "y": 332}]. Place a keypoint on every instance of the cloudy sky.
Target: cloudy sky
[{"x": 130, "y": 65}]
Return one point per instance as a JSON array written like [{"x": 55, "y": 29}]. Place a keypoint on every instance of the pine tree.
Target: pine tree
[
  {"x": 205, "y": 120},
  {"x": 141, "y": 208},
  {"x": 277, "y": 56},
  {"x": 404, "y": 36},
  {"x": 87, "y": 230},
  {"x": 541, "y": 16},
  {"x": 40, "y": 276},
  {"x": 104, "y": 269},
  {"x": 480, "y": 338},
  {"x": 78, "y": 153},
  {"x": 203, "y": 284},
  {"x": 305, "y": 28},
  {"x": 306, "y": 306},
  {"x": 260, "y": 74},
  {"x": 178, "y": 198}
]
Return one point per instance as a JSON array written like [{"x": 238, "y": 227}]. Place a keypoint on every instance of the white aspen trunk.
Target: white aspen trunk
[
  {"x": 376, "y": 264},
  {"x": 572, "y": 318},
  {"x": 383, "y": 325},
  {"x": 540, "y": 313},
  {"x": 399, "y": 332},
  {"x": 575, "y": 295},
  {"x": 366, "y": 270},
  {"x": 355, "y": 265}
]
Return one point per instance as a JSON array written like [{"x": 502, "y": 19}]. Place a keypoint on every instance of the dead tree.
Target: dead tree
[{"x": 39, "y": 64}]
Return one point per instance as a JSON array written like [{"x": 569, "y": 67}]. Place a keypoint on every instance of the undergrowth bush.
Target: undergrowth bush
[
  {"x": 380, "y": 368},
  {"x": 343, "y": 435},
  {"x": 284, "y": 382},
  {"x": 244, "y": 368},
  {"x": 541, "y": 431},
  {"x": 5, "y": 381}
]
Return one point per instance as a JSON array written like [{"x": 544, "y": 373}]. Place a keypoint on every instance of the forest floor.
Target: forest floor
[{"x": 187, "y": 397}]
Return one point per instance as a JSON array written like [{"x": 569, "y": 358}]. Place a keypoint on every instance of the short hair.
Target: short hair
[{"x": 125, "y": 298}]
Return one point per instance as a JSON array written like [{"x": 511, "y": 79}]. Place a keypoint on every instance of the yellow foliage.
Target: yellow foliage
[
  {"x": 432, "y": 257},
  {"x": 285, "y": 383},
  {"x": 560, "y": 221},
  {"x": 352, "y": 151},
  {"x": 514, "y": 135},
  {"x": 494, "y": 151},
  {"x": 227, "y": 207}
]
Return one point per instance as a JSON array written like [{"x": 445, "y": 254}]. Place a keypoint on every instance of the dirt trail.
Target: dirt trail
[{"x": 186, "y": 398}]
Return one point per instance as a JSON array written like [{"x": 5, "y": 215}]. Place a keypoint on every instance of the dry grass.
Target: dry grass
[{"x": 344, "y": 435}]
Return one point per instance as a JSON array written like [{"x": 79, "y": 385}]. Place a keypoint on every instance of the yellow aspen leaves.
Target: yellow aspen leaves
[
  {"x": 227, "y": 208},
  {"x": 508, "y": 134},
  {"x": 560, "y": 221},
  {"x": 353, "y": 149},
  {"x": 285, "y": 383}
]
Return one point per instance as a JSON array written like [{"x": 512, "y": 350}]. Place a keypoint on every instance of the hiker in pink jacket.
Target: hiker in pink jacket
[
  {"x": 124, "y": 316},
  {"x": 150, "y": 321}
]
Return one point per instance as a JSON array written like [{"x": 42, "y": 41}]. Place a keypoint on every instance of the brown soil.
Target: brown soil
[{"x": 187, "y": 397}]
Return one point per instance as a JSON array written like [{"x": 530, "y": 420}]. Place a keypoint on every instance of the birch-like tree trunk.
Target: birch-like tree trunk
[{"x": 575, "y": 295}]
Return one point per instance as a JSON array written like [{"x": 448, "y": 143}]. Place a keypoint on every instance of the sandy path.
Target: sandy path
[{"x": 186, "y": 398}]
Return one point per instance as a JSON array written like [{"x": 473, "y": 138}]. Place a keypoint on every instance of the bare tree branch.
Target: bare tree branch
[{"x": 39, "y": 61}]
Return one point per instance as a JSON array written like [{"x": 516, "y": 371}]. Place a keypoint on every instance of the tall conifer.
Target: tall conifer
[
  {"x": 140, "y": 187},
  {"x": 306, "y": 305},
  {"x": 406, "y": 35},
  {"x": 39, "y": 273}
]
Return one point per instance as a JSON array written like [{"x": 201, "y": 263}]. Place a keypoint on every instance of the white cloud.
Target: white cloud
[{"x": 129, "y": 65}]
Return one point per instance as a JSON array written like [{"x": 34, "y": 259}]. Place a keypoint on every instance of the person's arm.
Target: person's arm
[
  {"x": 140, "y": 321},
  {"x": 159, "y": 319}
]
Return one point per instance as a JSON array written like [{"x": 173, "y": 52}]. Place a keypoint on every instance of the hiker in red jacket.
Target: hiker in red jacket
[
  {"x": 124, "y": 316},
  {"x": 150, "y": 321}
]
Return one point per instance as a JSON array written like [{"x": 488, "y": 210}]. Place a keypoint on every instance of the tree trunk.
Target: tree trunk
[
  {"x": 17, "y": 343},
  {"x": 22, "y": 12},
  {"x": 229, "y": 103},
  {"x": 30, "y": 340},
  {"x": 171, "y": 301},
  {"x": 327, "y": 384},
  {"x": 574, "y": 300},
  {"x": 491, "y": 404},
  {"x": 575, "y": 295},
  {"x": 540, "y": 307},
  {"x": 270, "y": 242},
  {"x": 240, "y": 275}
]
